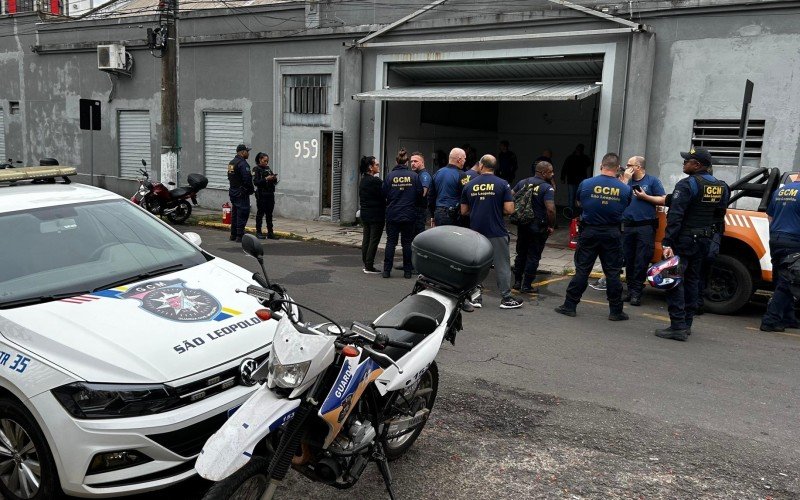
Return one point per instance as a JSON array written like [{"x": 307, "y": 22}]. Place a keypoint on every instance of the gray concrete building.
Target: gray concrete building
[{"x": 299, "y": 81}]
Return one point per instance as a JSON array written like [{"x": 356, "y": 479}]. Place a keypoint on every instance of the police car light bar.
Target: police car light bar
[{"x": 30, "y": 173}]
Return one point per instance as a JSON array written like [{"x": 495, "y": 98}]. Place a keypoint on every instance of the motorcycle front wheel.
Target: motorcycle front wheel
[
  {"x": 423, "y": 397},
  {"x": 248, "y": 483},
  {"x": 181, "y": 213}
]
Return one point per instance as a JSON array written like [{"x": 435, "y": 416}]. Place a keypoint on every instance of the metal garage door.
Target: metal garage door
[
  {"x": 134, "y": 142},
  {"x": 222, "y": 132}
]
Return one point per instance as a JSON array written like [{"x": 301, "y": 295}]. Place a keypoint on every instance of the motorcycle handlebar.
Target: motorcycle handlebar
[{"x": 384, "y": 340}]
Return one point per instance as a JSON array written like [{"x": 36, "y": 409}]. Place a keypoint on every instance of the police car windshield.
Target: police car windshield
[{"x": 73, "y": 249}]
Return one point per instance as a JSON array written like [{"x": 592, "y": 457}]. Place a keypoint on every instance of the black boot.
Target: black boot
[
  {"x": 527, "y": 282},
  {"x": 517, "y": 283},
  {"x": 259, "y": 234},
  {"x": 272, "y": 236},
  {"x": 670, "y": 333}
]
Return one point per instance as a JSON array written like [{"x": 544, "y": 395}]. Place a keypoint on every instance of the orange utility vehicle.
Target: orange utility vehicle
[{"x": 743, "y": 265}]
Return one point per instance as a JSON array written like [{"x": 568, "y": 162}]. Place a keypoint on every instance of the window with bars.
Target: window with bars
[
  {"x": 306, "y": 99},
  {"x": 721, "y": 137}
]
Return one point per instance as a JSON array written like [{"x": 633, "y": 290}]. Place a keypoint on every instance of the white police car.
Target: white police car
[{"x": 120, "y": 342}]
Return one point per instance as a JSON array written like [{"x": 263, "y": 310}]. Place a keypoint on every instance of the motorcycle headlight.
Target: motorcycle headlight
[
  {"x": 287, "y": 376},
  {"x": 86, "y": 400},
  {"x": 143, "y": 190}
]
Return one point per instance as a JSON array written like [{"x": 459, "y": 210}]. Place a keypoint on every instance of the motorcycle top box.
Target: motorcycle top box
[
  {"x": 197, "y": 181},
  {"x": 454, "y": 256}
]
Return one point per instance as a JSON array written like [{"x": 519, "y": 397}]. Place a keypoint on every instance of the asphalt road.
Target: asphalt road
[{"x": 535, "y": 404}]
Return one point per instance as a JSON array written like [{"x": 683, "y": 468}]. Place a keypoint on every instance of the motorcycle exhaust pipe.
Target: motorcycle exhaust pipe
[{"x": 400, "y": 426}]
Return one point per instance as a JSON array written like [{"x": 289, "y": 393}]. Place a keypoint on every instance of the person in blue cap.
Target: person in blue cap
[
  {"x": 696, "y": 214},
  {"x": 603, "y": 199},
  {"x": 241, "y": 187}
]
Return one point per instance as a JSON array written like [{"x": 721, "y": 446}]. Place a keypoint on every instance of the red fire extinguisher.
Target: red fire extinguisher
[{"x": 226, "y": 213}]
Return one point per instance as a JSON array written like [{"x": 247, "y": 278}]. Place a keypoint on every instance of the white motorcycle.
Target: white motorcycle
[{"x": 333, "y": 399}]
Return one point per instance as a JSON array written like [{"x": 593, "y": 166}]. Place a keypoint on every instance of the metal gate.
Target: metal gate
[
  {"x": 222, "y": 132},
  {"x": 336, "y": 181},
  {"x": 134, "y": 142}
]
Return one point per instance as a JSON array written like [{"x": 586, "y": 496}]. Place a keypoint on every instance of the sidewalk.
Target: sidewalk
[{"x": 556, "y": 258}]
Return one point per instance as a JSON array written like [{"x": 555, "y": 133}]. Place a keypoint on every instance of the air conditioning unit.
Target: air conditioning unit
[{"x": 111, "y": 57}]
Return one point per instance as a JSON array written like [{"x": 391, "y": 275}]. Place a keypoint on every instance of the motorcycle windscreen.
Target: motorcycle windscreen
[{"x": 351, "y": 382}]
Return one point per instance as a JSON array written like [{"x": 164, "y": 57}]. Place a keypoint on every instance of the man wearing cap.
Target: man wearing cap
[
  {"x": 696, "y": 213},
  {"x": 241, "y": 187}
]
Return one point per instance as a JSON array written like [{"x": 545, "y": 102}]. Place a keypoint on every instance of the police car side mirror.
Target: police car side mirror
[
  {"x": 193, "y": 238},
  {"x": 668, "y": 200},
  {"x": 252, "y": 246}
]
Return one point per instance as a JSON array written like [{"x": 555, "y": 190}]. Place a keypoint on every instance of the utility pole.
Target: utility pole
[{"x": 169, "y": 93}]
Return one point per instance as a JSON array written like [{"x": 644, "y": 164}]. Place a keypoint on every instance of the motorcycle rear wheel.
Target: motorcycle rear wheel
[
  {"x": 181, "y": 212},
  {"x": 397, "y": 447},
  {"x": 248, "y": 483}
]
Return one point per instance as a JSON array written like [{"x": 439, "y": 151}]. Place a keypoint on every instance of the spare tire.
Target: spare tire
[{"x": 730, "y": 286}]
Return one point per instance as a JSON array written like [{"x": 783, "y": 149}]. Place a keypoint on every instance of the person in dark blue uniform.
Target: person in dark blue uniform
[
  {"x": 486, "y": 198},
  {"x": 444, "y": 195},
  {"x": 418, "y": 166},
  {"x": 640, "y": 223},
  {"x": 603, "y": 199},
  {"x": 265, "y": 181},
  {"x": 532, "y": 237},
  {"x": 241, "y": 187},
  {"x": 784, "y": 240},
  {"x": 402, "y": 189},
  {"x": 696, "y": 213}
]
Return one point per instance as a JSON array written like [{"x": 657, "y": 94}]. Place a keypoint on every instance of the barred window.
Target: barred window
[
  {"x": 306, "y": 100},
  {"x": 721, "y": 137}
]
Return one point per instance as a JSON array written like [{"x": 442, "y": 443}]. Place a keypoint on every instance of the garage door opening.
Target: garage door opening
[{"x": 536, "y": 104}]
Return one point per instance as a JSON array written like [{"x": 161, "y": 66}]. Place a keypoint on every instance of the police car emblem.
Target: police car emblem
[
  {"x": 246, "y": 370},
  {"x": 172, "y": 300}
]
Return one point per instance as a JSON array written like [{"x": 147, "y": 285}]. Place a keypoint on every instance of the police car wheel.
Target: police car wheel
[
  {"x": 27, "y": 469},
  {"x": 730, "y": 286}
]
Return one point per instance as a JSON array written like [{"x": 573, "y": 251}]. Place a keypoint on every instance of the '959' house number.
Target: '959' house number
[{"x": 306, "y": 149}]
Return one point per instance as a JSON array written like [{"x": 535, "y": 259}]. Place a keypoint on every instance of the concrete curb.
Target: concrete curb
[{"x": 227, "y": 227}]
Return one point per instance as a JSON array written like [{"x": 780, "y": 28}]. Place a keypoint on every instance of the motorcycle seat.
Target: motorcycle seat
[
  {"x": 179, "y": 192},
  {"x": 411, "y": 305},
  {"x": 419, "y": 304}
]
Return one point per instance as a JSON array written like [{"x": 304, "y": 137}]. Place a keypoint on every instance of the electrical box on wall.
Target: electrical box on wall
[{"x": 111, "y": 57}]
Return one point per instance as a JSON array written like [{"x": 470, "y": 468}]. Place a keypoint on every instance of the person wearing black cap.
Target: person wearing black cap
[
  {"x": 241, "y": 187},
  {"x": 696, "y": 213},
  {"x": 265, "y": 180}
]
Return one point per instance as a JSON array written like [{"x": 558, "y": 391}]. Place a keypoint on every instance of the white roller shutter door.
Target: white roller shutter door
[
  {"x": 134, "y": 143},
  {"x": 222, "y": 132}
]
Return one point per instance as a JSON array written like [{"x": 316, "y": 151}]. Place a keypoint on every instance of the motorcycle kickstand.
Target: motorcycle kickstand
[{"x": 383, "y": 466}]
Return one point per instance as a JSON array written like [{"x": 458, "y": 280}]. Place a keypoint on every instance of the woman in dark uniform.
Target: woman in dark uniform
[{"x": 373, "y": 211}]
